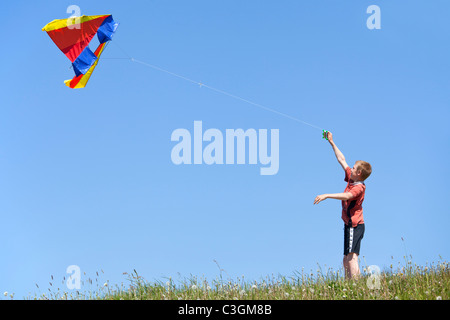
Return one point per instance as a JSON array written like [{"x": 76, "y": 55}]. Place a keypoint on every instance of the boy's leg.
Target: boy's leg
[
  {"x": 346, "y": 267},
  {"x": 353, "y": 266},
  {"x": 347, "y": 248}
]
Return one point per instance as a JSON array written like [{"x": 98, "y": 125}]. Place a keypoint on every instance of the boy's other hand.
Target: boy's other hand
[{"x": 320, "y": 198}]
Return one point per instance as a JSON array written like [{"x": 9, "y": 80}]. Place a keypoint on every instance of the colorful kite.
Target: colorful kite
[{"x": 73, "y": 35}]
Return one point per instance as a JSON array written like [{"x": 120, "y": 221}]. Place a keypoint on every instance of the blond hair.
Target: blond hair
[{"x": 364, "y": 167}]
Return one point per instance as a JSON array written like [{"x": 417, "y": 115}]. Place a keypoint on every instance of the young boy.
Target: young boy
[{"x": 352, "y": 211}]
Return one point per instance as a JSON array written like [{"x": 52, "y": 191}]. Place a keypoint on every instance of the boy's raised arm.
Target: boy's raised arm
[{"x": 339, "y": 156}]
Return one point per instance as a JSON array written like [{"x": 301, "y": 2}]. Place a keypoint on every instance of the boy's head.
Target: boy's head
[{"x": 361, "y": 171}]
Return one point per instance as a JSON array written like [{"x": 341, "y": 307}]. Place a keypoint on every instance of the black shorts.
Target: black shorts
[{"x": 352, "y": 238}]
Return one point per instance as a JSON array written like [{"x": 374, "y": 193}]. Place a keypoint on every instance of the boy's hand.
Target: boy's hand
[
  {"x": 330, "y": 137},
  {"x": 320, "y": 198}
]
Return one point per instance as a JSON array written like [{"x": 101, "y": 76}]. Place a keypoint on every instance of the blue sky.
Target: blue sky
[{"x": 86, "y": 176}]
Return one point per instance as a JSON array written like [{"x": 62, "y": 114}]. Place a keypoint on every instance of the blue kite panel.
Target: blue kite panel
[
  {"x": 84, "y": 61},
  {"x": 107, "y": 29}
]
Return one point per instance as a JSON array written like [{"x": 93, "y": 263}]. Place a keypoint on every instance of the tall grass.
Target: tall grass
[{"x": 410, "y": 281}]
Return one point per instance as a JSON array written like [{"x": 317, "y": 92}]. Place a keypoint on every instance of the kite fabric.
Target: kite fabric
[{"x": 73, "y": 35}]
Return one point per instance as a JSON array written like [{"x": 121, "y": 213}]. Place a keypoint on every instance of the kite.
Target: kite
[{"x": 73, "y": 35}]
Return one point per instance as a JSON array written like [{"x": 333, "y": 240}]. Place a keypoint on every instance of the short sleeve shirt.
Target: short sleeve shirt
[{"x": 352, "y": 211}]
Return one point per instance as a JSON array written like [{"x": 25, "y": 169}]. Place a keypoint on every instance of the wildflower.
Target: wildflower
[
  {"x": 311, "y": 290},
  {"x": 105, "y": 284},
  {"x": 286, "y": 294},
  {"x": 5, "y": 293},
  {"x": 254, "y": 286},
  {"x": 438, "y": 298},
  {"x": 193, "y": 287},
  {"x": 396, "y": 298}
]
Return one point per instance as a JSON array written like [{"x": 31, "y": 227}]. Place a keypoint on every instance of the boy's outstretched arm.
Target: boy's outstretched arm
[
  {"x": 338, "y": 196},
  {"x": 339, "y": 155}
]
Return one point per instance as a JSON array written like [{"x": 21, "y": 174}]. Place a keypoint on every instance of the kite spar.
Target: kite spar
[{"x": 73, "y": 35}]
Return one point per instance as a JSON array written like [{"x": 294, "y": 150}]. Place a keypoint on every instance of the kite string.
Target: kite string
[{"x": 216, "y": 90}]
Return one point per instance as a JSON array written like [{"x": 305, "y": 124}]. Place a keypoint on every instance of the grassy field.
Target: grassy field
[{"x": 430, "y": 282}]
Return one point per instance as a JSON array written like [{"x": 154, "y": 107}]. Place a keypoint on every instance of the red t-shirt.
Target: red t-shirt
[{"x": 352, "y": 209}]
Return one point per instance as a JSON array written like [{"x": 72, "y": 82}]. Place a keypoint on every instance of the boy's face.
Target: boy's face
[{"x": 356, "y": 173}]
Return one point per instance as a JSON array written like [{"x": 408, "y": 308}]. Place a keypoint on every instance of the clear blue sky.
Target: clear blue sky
[{"x": 86, "y": 176}]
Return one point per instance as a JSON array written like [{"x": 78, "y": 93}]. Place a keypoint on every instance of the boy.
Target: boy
[{"x": 352, "y": 212}]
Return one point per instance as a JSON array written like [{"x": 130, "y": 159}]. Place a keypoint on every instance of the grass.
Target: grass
[{"x": 430, "y": 282}]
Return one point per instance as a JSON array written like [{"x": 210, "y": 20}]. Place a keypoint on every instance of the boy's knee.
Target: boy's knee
[{"x": 351, "y": 256}]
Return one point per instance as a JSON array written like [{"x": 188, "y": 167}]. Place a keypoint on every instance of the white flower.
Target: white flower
[
  {"x": 438, "y": 298},
  {"x": 286, "y": 294},
  {"x": 5, "y": 293},
  {"x": 105, "y": 284},
  {"x": 396, "y": 298},
  {"x": 311, "y": 290},
  {"x": 254, "y": 286},
  {"x": 193, "y": 287}
]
